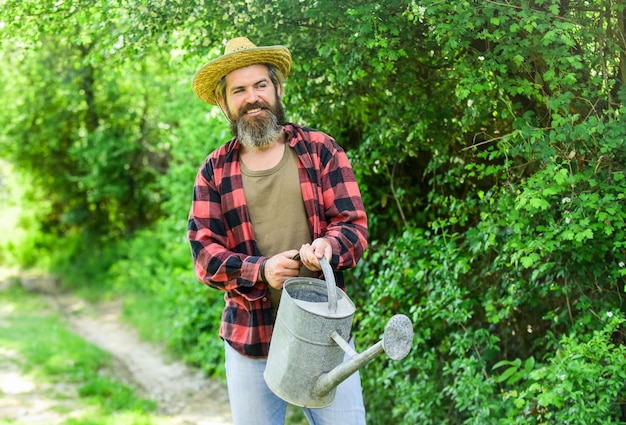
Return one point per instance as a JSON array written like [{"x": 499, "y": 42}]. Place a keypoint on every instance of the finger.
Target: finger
[
  {"x": 320, "y": 251},
  {"x": 322, "y": 248},
  {"x": 308, "y": 258},
  {"x": 328, "y": 252},
  {"x": 289, "y": 254},
  {"x": 303, "y": 252}
]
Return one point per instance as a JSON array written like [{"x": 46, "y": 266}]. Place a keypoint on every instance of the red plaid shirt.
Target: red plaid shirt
[{"x": 223, "y": 245}]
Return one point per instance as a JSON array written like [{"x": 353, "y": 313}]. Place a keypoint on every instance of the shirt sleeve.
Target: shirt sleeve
[
  {"x": 344, "y": 211},
  {"x": 217, "y": 262},
  {"x": 331, "y": 195}
]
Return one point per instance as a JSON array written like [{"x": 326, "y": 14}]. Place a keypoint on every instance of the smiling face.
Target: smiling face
[{"x": 252, "y": 104}]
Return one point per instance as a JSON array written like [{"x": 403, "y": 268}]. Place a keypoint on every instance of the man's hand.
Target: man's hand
[
  {"x": 281, "y": 267},
  {"x": 310, "y": 254}
]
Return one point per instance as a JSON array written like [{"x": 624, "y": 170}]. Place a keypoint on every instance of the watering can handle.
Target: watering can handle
[{"x": 329, "y": 275}]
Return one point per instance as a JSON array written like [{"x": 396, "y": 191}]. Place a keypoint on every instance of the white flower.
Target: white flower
[{"x": 566, "y": 200}]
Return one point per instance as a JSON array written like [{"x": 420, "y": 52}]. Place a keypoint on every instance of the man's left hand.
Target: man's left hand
[{"x": 310, "y": 254}]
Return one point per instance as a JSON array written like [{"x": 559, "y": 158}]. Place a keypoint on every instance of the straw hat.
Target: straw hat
[{"x": 239, "y": 52}]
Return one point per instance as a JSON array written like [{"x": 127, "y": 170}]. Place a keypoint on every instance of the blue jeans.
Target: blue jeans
[{"x": 253, "y": 403}]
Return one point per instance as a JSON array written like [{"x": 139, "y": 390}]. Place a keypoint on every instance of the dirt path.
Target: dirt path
[
  {"x": 183, "y": 395},
  {"x": 181, "y": 392}
]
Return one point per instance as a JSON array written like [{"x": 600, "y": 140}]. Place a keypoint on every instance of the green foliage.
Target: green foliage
[
  {"x": 540, "y": 207},
  {"x": 465, "y": 330},
  {"x": 90, "y": 140},
  {"x": 420, "y": 274},
  {"x": 18, "y": 220},
  {"x": 584, "y": 380}
]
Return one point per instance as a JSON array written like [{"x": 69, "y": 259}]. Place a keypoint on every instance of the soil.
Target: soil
[{"x": 183, "y": 395}]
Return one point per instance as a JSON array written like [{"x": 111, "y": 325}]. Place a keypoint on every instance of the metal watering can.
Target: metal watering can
[{"x": 305, "y": 362}]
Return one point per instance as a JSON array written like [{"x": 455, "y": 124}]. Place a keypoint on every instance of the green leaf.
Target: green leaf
[
  {"x": 529, "y": 260},
  {"x": 585, "y": 234}
]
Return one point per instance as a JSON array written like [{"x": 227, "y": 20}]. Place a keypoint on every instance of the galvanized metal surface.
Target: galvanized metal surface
[
  {"x": 301, "y": 349},
  {"x": 314, "y": 321}
]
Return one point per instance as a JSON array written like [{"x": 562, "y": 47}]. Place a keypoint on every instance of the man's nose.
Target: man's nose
[{"x": 251, "y": 96}]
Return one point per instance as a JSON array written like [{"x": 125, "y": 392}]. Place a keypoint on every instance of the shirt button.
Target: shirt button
[{"x": 264, "y": 299}]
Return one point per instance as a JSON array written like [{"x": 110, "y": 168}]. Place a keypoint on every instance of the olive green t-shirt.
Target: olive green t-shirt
[{"x": 276, "y": 208}]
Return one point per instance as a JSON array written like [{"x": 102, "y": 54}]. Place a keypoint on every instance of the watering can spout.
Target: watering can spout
[{"x": 396, "y": 343}]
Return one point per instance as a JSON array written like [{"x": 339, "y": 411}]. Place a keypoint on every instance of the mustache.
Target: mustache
[{"x": 255, "y": 105}]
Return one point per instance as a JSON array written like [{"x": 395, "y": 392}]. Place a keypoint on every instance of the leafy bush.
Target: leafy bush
[
  {"x": 459, "y": 369},
  {"x": 583, "y": 383}
]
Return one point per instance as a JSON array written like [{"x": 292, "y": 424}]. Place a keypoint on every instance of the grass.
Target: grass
[
  {"x": 54, "y": 357},
  {"x": 145, "y": 312}
]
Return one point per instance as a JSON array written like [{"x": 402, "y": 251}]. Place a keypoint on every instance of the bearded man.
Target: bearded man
[{"x": 267, "y": 205}]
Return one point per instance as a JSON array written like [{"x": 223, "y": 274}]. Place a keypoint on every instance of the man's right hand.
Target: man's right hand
[{"x": 281, "y": 267}]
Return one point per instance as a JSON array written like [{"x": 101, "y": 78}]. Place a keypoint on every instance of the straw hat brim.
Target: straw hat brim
[{"x": 206, "y": 79}]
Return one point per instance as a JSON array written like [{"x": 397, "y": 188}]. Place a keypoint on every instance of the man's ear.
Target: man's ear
[
  {"x": 279, "y": 90},
  {"x": 221, "y": 102}
]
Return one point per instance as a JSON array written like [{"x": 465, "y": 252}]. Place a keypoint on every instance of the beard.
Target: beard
[{"x": 259, "y": 131}]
